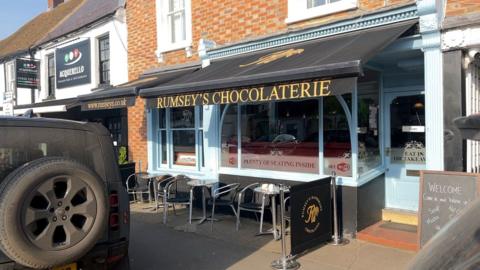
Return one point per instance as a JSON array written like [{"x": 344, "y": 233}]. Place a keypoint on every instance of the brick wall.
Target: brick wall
[
  {"x": 462, "y": 7},
  {"x": 223, "y": 21}
]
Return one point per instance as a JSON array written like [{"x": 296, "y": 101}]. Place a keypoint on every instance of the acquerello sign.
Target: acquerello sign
[{"x": 73, "y": 65}]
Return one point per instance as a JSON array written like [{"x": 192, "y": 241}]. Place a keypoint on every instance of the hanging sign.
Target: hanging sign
[
  {"x": 27, "y": 73},
  {"x": 72, "y": 64},
  {"x": 275, "y": 92},
  {"x": 311, "y": 214}
]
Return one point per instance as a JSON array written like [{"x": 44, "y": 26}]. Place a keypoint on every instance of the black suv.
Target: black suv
[{"x": 62, "y": 202}]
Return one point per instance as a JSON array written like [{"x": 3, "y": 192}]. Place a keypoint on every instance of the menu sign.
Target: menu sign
[
  {"x": 443, "y": 195},
  {"x": 311, "y": 214},
  {"x": 275, "y": 92},
  {"x": 72, "y": 65},
  {"x": 27, "y": 71}
]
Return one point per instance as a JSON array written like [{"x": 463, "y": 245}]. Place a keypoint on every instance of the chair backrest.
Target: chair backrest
[
  {"x": 227, "y": 191},
  {"x": 141, "y": 181},
  {"x": 248, "y": 193},
  {"x": 179, "y": 186}
]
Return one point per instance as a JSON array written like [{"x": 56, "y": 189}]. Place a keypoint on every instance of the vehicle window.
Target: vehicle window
[{"x": 20, "y": 145}]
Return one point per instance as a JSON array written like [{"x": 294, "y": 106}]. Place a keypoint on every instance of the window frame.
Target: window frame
[
  {"x": 199, "y": 145},
  {"x": 101, "y": 79},
  {"x": 164, "y": 28},
  {"x": 50, "y": 95},
  {"x": 299, "y": 11}
]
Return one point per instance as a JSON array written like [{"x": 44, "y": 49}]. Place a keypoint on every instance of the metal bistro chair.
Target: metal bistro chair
[
  {"x": 137, "y": 185},
  {"x": 287, "y": 214},
  {"x": 223, "y": 196},
  {"x": 251, "y": 201},
  {"x": 177, "y": 191},
  {"x": 161, "y": 182}
]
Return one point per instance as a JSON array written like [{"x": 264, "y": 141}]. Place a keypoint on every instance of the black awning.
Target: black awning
[
  {"x": 336, "y": 56},
  {"x": 469, "y": 126},
  {"x": 122, "y": 96}
]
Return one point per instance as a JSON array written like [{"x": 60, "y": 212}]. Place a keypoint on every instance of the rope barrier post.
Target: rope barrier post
[
  {"x": 285, "y": 262},
  {"x": 338, "y": 240}
]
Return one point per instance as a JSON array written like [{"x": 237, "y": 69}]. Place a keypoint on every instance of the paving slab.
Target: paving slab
[{"x": 179, "y": 245}]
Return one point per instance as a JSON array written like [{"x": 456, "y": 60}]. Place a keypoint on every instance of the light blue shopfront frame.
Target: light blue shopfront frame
[{"x": 212, "y": 113}]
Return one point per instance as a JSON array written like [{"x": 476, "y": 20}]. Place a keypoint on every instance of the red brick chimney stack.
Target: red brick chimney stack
[{"x": 54, "y": 3}]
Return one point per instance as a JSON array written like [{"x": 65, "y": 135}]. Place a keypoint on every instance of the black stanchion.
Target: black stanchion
[
  {"x": 285, "y": 262},
  {"x": 337, "y": 240}
]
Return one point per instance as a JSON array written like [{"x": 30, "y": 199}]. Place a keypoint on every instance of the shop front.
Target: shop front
[{"x": 295, "y": 114}]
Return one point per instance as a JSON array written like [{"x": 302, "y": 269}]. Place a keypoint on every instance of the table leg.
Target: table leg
[
  {"x": 274, "y": 217},
  {"x": 191, "y": 206}
]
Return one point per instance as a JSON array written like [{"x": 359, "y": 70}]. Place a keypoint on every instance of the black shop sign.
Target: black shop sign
[
  {"x": 73, "y": 65},
  {"x": 311, "y": 214},
  {"x": 27, "y": 71}
]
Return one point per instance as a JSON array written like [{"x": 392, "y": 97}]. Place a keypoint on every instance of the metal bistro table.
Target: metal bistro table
[
  {"x": 272, "y": 191},
  {"x": 203, "y": 183},
  {"x": 151, "y": 177}
]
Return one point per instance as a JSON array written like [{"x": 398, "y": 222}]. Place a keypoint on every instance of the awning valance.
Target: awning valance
[
  {"x": 122, "y": 96},
  {"x": 49, "y": 106},
  {"x": 315, "y": 62}
]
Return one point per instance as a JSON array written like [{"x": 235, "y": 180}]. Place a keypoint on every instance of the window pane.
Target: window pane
[
  {"x": 336, "y": 136},
  {"x": 280, "y": 136},
  {"x": 407, "y": 130},
  {"x": 229, "y": 136},
  {"x": 368, "y": 139},
  {"x": 315, "y": 3},
  {"x": 183, "y": 117},
  {"x": 184, "y": 147},
  {"x": 163, "y": 135},
  {"x": 161, "y": 118}
]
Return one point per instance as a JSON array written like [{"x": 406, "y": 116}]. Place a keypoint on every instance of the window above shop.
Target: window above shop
[
  {"x": 300, "y": 10},
  {"x": 174, "y": 25}
]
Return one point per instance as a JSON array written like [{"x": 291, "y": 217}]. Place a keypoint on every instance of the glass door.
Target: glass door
[{"x": 405, "y": 148}]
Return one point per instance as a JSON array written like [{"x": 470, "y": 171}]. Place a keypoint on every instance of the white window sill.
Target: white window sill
[
  {"x": 323, "y": 10},
  {"x": 174, "y": 47}
]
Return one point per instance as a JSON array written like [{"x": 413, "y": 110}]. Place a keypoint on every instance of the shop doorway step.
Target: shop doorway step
[
  {"x": 400, "y": 216},
  {"x": 392, "y": 234}
]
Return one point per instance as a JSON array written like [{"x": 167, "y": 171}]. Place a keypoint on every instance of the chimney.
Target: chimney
[{"x": 54, "y": 3}]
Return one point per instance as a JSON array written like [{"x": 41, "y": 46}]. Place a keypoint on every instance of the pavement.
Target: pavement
[{"x": 178, "y": 245}]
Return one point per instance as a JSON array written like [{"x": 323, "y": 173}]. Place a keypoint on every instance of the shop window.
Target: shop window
[
  {"x": 368, "y": 123},
  {"x": 336, "y": 137},
  {"x": 51, "y": 75},
  {"x": 229, "y": 136},
  {"x": 299, "y": 10},
  {"x": 180, "y": 136},
  {"x": 276, "y": 136},
  {"x": 174, "y": 26},
  {"x": 104, "y": 59}
]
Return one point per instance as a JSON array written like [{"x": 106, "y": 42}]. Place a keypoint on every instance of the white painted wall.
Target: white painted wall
[
  {"x": 116, "y": 28},
  {"x": 2, "y": 83}
]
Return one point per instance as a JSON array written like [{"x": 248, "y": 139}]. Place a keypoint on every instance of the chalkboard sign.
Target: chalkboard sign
[{"x": 443, "y": 195}]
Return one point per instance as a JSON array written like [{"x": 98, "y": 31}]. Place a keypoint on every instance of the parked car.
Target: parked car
[{"x": 62, "y": 202}]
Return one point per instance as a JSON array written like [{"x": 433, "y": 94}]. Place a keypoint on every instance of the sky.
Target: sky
[{"x": 14, "y": 14}]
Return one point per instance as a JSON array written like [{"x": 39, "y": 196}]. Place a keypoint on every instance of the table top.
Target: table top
[
  {"x": 149, "y": 175},
  {"x": 269, "y": 189},
  {"x": 202, "y": 182}
]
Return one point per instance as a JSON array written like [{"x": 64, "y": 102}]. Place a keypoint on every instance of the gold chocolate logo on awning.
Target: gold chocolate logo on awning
[
  {"x": 310, "y": 211},
  {"x": 274, "y": 56}
]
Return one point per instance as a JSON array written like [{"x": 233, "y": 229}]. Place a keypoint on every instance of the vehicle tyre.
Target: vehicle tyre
[{"x": 52, "y": 211}]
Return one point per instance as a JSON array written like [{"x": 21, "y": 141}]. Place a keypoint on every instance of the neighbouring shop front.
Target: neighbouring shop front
[{"x": 298, "y": 113}]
